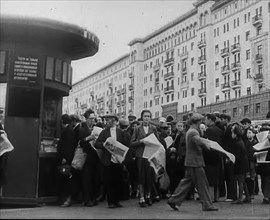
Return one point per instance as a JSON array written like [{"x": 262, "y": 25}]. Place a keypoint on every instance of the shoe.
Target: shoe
[
  {"x": 247, "y": 200},
  {"x": 142, "y": 204},
  {"x": 148, "y": 201},
  {"x": 67, "y": 203},
  {"x": 118, "y": 205},
  {"x": 228, "y": 200},
  {"x": 157, "y": 199},
  {"x": 237, "y": 202},
  {"x": 173, "y": 206},
  {"x": 211, "y": 209},
  {"x": 265, "y": 201},
  {"x": 90, "y": 203},
  {"x": 100, "y": 198},
  {"x": 112, "y": 206}
]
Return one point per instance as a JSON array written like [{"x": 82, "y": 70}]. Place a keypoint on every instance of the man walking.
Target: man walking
[{"x": 195, "y": 175}]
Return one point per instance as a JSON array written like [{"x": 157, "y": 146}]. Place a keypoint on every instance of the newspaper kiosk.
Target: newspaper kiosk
[{"x": 36, "y": 57}]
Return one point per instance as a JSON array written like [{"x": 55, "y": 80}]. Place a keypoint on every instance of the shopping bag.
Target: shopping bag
[
  {"x": 164, "y": 182},
  {"x": 5, "y": 144},
  {"x": 79, "y": 158}
]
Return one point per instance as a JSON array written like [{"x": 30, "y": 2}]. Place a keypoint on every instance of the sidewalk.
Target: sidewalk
[{"x": 131, "y": 210}]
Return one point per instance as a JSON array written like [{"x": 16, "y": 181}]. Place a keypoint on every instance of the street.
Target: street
[{"x": 131, "y": 210}]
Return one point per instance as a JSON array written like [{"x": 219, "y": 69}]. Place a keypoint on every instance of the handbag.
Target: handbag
[
  {"x": 164, "y": 182},
  {"x": 79, "y": 158},
  {"x": 5, "y": 144}
]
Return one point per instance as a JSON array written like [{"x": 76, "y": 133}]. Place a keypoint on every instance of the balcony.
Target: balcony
[
  {"x": 225, "y": 52},
  {"x": 202, "y": 59},
  {"x": 131, "y": 75},
  {"x": 225, "y": 69},
  {"x": 123, "y": 91},
  {"x": 156, "y": 93},
  {"x": 100, "y": 99},
  {"x": 236, "y": 84},
  {"x": 225, "y": 87},
  {"x": 201, "y": 43},
  {"x": 157, "y": 80},
  {"x": 184, "y": 70},
  {"x": 202, "y": 76},
  {"x": 156, "y": 67},
  {"x": 123, "y": 102},
  {"x": 235, "y": 48},
  {"x": 118, "y": 104},
  {"x": 130, "y": 99},
  {"x": 201, "y": 92},
  {"x": 169, "y": 61},
  {"x": 236, "y": 66},
  {"x": 169, "y": 75},
  {"x": 257, "y": 20},
  {"x": 110, "y": 85},
  {"x": 130, "y": 111},
  {"x": 168, "y": 89},
  {"x": 131, "y": 87},
  {"x": 184, "y": 55},
  {"x": 258, "y": 77},
  {"x": 118, "y": 92},
  {"x": 258, "y": 58}
]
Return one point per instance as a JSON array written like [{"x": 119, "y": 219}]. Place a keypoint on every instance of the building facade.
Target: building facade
[{"x": 213, "y": 57}]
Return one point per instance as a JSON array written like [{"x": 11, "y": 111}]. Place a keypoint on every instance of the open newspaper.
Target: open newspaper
[
  {"x": 154, "y": 152},
  {"x": 5, "y": 144},
  {"x": 117, "y": 149},
  {"x": 263, "y": 141},
  {"x": 168, "y": 141},
  {"x": 215, "y": 146},
  {"x": 261, "y": 157}
]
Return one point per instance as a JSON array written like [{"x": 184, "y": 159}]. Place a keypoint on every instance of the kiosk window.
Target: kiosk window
[
  {"x": 69, "y": 75},
  {"x": 24, "y": 102},
  {"x": 65, "y": 73},
  {"x": 58, "y": 70},
  {"x": 2, "y": 61},
  {"x": 49, "y": 67}
]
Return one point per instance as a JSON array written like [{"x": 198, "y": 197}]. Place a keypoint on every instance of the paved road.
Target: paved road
[{"x": 131, "y": 210}]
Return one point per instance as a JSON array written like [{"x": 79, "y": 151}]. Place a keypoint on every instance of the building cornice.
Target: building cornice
[{"x": 165, "y": 27}]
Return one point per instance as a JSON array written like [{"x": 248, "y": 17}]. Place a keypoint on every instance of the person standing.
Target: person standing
[
  {"x": 143, "y": 165},
  {"x": 113, "y": 169},
  {"x": 195, "y": 175}
]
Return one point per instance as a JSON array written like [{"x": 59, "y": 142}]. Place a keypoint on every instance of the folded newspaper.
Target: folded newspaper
[
  {"x": 157, "y": 160},
  {"x": 261, "y": 157},
  {"x": 263, "y": 141},
  {"x": 5, "y": 144},
  {"x": 215, "y": 146},
  {"x": 117, "y": 149},
  {"x": 168, "y": 141}
]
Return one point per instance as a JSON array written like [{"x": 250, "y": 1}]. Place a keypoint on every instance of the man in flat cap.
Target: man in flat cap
[{"x": 195, "y": 175}]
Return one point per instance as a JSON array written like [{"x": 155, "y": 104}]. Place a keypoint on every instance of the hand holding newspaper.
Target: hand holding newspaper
[
  {"x": 215, "y": 146},
  {"x": 152, "y": 144},
  {"x": 116, "y": 148},
  {"x": 263, "y": 141}
]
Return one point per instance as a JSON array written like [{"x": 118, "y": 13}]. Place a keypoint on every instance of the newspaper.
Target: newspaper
[
  {"x": 152, "y": 145},
  {"x": 157, "y": 160},
  {"x": 117, "y": 149},
  {"x": 168, "y": 141},
  {"x": 261, "y": 157},
  {"x": 263, "y": 141},
  {"x": 5, "y": 144},
  {"x": 96, "y": 132},
  {"x": 215, "y": 146}
]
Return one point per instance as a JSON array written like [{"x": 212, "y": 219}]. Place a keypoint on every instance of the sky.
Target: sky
[{"x": 115, "y": 23}]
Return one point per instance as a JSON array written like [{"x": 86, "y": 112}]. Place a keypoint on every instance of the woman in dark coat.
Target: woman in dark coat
[{"x": 241, "y": 164}]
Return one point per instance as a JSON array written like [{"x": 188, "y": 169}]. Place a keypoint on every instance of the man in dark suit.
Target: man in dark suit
[
  {"x": 112, "y": 168},
  {"x": 143, "y": 165},
  {"x": 195, "y": 175}
]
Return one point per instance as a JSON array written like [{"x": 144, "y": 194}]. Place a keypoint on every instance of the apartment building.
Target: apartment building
[{"x": 214, "y": 57}]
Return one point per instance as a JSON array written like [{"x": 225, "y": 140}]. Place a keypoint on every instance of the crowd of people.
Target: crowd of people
[{"x": 192, "y": 167}]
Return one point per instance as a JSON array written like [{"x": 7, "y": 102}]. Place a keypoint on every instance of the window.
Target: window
[
  {"x": 245, "y": 18},
  {"x": 65, "y": 73},
  {"x": 192, "y": 76},
  {"x": 172, "y": 97},
  {"x": 49, "y": 67},
  {"x": 2, "y": 62},
  {"x": 258, "y": 107},
  {"x": 192, "y": 91},
  {"x": 217, "y": 82},
  {"x": 247, "y": 35},
  {"x": 260, "y": 68},
  {"x": 259, "y": 49},
  {"x": 216, "y": 65},
  {"x": 248, "y": 91},
  {"x": 192, "y": 61},
  {"x": 168, "y": 98},
  {"x": 234, "y": 112},
  {"x": 216, "y": 48},
  {"x": 246, "y": 109},
  {"x": 217, "y": 98},
  {"x": 247, "y": 54},
  {"x": 192, "y": 45},
  {"x": 248, "y": 73},
  {"x": 259, "y": 30}
]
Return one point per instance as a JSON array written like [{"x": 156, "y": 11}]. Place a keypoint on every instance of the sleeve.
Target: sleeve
[
  {"x": 134, "y": 139},
  {"x": 100, "y": 140}
]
